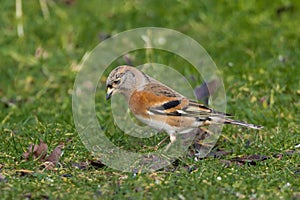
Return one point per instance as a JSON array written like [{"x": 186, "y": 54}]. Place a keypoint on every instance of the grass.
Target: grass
[{"x": 255, "y": 46}]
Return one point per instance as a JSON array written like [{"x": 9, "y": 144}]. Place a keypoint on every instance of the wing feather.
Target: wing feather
[{"x": 186, "y": 108}]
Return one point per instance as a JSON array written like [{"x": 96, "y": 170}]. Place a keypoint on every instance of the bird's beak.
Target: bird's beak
[{"x": 109, "y": 92}]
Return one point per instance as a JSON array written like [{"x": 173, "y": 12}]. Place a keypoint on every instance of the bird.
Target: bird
[{"x": 161, "y": 107}]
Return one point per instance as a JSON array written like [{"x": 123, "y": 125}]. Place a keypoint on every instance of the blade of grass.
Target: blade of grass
[{"x": 20, "y": 28}]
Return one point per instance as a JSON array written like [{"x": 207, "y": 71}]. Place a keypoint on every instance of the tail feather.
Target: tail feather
[{"x": 240, "y": 123}]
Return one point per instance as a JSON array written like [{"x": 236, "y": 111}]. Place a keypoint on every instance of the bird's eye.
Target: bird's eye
[{"x": 117, "y": 81}]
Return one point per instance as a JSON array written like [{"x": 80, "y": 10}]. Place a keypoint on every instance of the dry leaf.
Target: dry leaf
[
  {"x": 97, "y": 163},
  {"x": 27, "y": 154},
  {"x": 40, "y": 152},
  {"x": 56, "y": 154},
  {"x": 252, "y": 159},
  {"x": 240, "y": 161},
  {"x": 218, "y": 153},
  {"x": 37, "y": 151}
]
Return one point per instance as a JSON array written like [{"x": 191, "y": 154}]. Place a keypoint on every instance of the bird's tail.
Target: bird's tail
[{"x": 234, "y": 122}]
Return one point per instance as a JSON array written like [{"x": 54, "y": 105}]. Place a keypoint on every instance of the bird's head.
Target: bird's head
[{"x": 123, "y": 79}]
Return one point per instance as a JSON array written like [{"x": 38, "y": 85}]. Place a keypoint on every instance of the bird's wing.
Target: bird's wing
[
  {"x": 157, "y": 99},
  {"x": 185, "y": 108},
  {"x": 169, "y": 102}
]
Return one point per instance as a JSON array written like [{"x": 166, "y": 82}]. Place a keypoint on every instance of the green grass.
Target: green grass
[{"x": 254, "y": 45}]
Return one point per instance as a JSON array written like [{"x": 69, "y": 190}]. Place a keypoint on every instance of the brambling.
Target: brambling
[{"x": 160, "y": 107}]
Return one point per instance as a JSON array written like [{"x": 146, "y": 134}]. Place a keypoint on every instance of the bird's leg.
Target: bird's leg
[
  {"x": 172, "y": 139},
  {"x": 161, "y": 142}
]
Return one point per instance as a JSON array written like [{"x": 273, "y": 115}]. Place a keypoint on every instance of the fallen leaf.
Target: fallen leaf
[
  {"x": 218, "y": 153},
  {"x": 279, "y": 156},
  {"x": 227, "y": 163},
  {"x": 292, "y": 152},
  {"x": 97, "y": 163},
  {"x": 286, "y": 153},
  {"x": 27, "y": 154},
  {"x": 252, "y": 159},
  {"x": 56, "y": 154},
  {"x": 37, "y": 151},
  {"x": 41, "y": 150}
]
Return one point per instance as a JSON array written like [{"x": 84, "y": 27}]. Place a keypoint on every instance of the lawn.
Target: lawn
[{"x": 255, "y": 45}]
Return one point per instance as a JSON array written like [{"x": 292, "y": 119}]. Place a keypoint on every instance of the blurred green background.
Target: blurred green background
[{"x": 255, "y": 45}]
